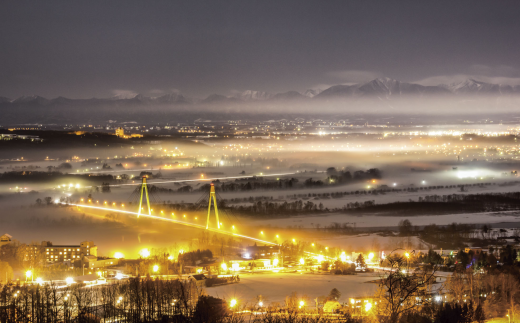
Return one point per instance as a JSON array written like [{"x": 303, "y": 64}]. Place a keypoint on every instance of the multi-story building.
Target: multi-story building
[
  {"x": 256, "y": 252},
  {"x": 61, "y": 253},
  {"x": 5, "y": 239},
  {"x": 120, "y": 132}
]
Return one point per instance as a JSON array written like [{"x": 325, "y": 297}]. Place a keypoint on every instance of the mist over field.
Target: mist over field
[{"x": 254, "y": 161}]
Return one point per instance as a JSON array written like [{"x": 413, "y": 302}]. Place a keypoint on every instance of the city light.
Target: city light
[
  {"x": 343, "y": 257},
  {"x": 371, "y": 256},
  {"x": 302, "y": 261},
  {"x": 39, "y": 280},
  {"x": 144, "y": 253},
  {"x": 119, "y": 276},
  {"x": 275, "y": 262},
  {"x": 28, "y": 274},
  {"x": 368, "y": 306},
  {"x": 232, "y": 303},
  {"x": 119, "y": 255},
  {"x": 69, "y": 280},
  {"x": 155, "y": 268},
  {"x": 223, "y": 266}
]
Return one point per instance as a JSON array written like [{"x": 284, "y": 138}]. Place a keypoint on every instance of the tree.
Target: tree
[
  {"x": 479, "y": 315},
  {"x": 65, "y": 166},
  {"x": 405, "y": 227},
  {"x": 360, "y": 262},
  {"x": 334, "y": 294},
  {"x": 331, "y": 171},
  {"x": 48, "y": 200},
  {"x": 39, "y": 201},
  {"x": 399, "y": 289},
  {"x": 6, "y": 272},
  {"x": 210, "y": 309},
  {"x": 325, "y": 266}
]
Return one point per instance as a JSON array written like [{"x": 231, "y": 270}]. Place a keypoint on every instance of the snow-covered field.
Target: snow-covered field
[
  {"x": 390, "y": 221},
  {"x": 370, "y": 242},
  {"x": 274, "y": 287}
]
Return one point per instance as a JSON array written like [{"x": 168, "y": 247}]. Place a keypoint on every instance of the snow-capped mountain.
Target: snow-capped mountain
[
  {"x": 31, "y": 99},
  {"x": 251, "y": 95},
  {"x": 312, "y": 92},
  {"x": 380, "y": 88},
  {"x": 472, "y": 86}
]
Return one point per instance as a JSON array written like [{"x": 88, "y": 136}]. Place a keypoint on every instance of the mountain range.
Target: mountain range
[{"x": 381, "y": 88}]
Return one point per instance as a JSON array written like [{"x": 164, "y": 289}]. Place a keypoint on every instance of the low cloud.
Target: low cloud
[
  {"x": 501, "y": 74},
  {"x": 449, "y": 79},
  {"x": 124, "y": 94}
]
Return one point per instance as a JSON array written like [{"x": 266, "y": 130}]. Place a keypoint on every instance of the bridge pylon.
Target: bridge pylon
[
  {"x": 213, "y": 197},
  {"x": 144, "y": 191}
]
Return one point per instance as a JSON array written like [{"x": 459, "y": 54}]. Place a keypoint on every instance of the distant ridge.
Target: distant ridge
[{"x": 385, "y": 87}]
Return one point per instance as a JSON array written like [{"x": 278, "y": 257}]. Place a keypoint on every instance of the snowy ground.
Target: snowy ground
[
  {"x": 368, "y": 221},
  {"x": 370, "y": 242},
  {"x": 274, "y": 287}
]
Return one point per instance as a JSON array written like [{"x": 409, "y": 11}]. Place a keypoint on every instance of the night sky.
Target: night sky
[{"x": 83, "y": 49}]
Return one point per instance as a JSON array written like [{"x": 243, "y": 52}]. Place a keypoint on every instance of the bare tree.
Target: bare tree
[{"x": 401, "y": 290}]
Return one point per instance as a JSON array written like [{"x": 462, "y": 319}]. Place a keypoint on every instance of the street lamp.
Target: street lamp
[
  {"x": 28, "y": 274},
  {"x": 155, "y": 268}
]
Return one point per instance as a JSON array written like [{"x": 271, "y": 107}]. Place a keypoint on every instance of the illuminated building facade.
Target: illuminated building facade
[
  {"x": 256, "y": 252},
  {"x": 120, "y": 132},
  {"x": 61, "y": 253},
  {"x": 5, "y": 239}
]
